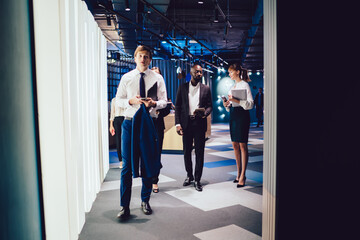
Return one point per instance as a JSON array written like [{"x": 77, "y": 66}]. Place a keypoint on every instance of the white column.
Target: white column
[
  {"x": 270, "y": 102},
  {"x": 72, "y": 102},
  {"x": 51, "y": 118}
]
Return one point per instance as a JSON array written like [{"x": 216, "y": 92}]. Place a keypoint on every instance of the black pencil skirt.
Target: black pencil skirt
[{"x": 239, "y": 124}]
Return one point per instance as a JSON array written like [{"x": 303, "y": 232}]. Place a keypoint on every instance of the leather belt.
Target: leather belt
[
  {"x": 129, "y": 118},
  {"x": 192, "y": 117}
]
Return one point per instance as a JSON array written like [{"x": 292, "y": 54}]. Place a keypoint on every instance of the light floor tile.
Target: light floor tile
[
  {"x": 115, "y": 185},
  {"x": 216, "y": 143},
  {"x": 257, "y": 131},
  {"x": 230, "y": 232},
  {"x": 230, "y": 154},
  {"x": 219, "y": 195},
  {"x": 218, "y": 127},
  {"x": 255, "y": 141},
  {"x": 255, "y": 159},
  {"x": 226, "y": 154}
]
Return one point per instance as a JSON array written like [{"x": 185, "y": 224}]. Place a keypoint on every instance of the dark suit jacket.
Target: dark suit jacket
[
  {"x": 145, "y": 151},
  {"x": 257, "y": 102},
  {"x": 182, "y": 105},
  {"x": 163, "y": 113}
]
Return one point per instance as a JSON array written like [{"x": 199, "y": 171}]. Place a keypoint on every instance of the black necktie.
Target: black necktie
[{"x": 142, "y": 85}]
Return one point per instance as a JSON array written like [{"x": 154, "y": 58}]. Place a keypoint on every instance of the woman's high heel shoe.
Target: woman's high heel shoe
[
  {"x": 241, "y": 185},
  {"x": 235, "y": 181}
]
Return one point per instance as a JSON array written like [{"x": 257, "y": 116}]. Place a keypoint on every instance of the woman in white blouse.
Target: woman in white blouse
[
  {"x": 116, "y": 119},
  {"x": 239, "y": 118}
]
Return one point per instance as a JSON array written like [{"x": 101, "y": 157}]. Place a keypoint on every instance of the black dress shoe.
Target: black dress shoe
[
  {"x": 145, "y": 206},
  {"x": 124, "y": 213},
  {"x": 198, "y": 186},
  {"x": 187, "y": 181},
  {"x": 241, "y": 185}
]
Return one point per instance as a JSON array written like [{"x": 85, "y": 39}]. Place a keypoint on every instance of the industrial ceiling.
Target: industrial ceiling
[{"x": 213, "y": 32}]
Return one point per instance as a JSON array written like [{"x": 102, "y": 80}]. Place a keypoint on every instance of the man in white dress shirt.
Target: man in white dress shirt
[{"x": 129, "y": 96}]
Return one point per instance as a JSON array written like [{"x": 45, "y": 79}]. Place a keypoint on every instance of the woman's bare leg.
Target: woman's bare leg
[
  {"x": 244, "y": 161},
  {"x": 237, "y": 152}
]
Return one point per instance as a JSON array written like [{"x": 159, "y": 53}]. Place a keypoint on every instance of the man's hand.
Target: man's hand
[
  {"x": 179, "y": 130},
  {"x": 112, "y": 130},
  {"x": 148, "y": 102},
  {"x": 135, "y": 100}
]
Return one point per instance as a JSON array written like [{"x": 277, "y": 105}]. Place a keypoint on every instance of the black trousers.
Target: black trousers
[
  {"x": 259, "y": 115},
  {"x": 160, "y": 132},
  {"x": 117, "y": 125},
  {"x": 194, "y": 134}
]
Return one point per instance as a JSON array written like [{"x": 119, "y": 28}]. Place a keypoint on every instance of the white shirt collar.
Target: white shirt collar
[{"x": 194, "y": 87}]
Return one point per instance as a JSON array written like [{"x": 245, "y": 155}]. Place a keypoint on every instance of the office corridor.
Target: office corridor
[{"x": 220, "y": 211}]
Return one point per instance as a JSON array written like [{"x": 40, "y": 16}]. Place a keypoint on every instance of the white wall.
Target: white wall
[{"x": 72, "y": 104}]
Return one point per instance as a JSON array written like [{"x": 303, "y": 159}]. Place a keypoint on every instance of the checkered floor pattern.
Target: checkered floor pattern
[{"x": 220, "y": 211}]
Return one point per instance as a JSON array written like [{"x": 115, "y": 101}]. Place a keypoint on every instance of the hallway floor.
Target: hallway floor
[{"x": 220, "y": 211}]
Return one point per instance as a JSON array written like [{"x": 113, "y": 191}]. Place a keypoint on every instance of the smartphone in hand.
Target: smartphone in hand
[
  {"x": 224, "y": 98},
  {"x": 199, "y": 112}
]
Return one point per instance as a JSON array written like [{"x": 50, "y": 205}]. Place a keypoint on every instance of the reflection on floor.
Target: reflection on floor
[{"x": 220, "y": 211}]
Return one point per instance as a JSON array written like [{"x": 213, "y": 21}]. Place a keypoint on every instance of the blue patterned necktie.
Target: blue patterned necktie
[{"x": 142, "y": 85}]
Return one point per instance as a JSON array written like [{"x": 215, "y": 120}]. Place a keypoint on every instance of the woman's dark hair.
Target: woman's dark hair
[
  {"x": 236, "y": 67},
  {"x": 245, "y": 75},
  {"x": 243, "y": 72}
]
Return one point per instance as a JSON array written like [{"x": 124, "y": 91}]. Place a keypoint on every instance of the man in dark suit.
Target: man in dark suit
[
  {"x": 193, "y": 105},
  {"x": 259, "y": 105}
]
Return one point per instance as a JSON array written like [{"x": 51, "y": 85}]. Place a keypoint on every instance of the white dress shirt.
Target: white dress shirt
[
  {"x": 249, "y": 102},
  {"x": 115, "y": 111},
  {"x": 194, "y": 97},
  {"x": 129, "y": 87}
]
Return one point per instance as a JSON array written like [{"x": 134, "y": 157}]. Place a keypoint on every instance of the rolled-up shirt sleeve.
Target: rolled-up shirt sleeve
[
  {"x": 112, "y": 111},
  {"x": 121, "y": 95},
  {"x": 161, "y": 93}
]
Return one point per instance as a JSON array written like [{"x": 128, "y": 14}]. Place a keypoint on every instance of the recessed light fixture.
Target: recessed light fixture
[
  {"x": 127, "y": 7},
  {"x": 200, "y": 2},
  {"x": 216, "y": 17}
]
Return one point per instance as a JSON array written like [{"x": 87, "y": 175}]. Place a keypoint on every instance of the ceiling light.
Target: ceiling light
[
  {"x": 127, "y": 7},
  {"x": 200, "y": 2},
  {"x": 216, "y": 17}
]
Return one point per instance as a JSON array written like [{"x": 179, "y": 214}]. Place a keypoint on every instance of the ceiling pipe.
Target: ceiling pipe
[
  {"x": 222, "y": 13},
  {"x": 254, "y": 26},
  {"x": 114, "y": 44},
  {"x": 180, "y": 28},
  {"x": 151, "y": 32}
]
